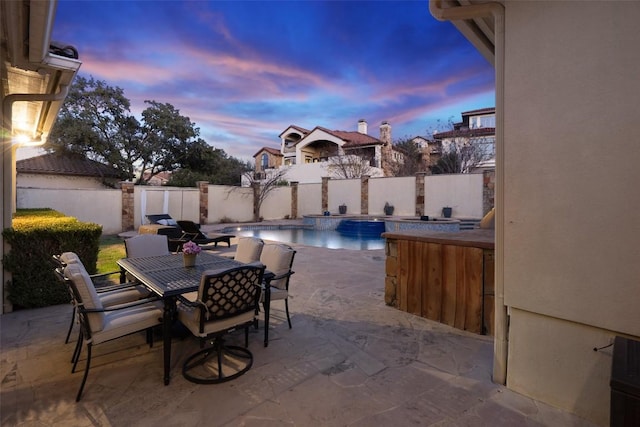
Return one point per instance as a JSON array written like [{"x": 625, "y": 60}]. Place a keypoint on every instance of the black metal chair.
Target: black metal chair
[
  {"x": 226, "y": 301},
  {"x": 109, "y": 295},
  {"x": 192, "y": 231},
  {"x": 99, "y": 324}
]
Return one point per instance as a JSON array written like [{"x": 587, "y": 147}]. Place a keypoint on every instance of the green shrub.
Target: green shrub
[{"x": 36, "y": 235}]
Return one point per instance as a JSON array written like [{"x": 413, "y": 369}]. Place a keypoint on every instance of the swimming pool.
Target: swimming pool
[{"x": 306, "y": 236}]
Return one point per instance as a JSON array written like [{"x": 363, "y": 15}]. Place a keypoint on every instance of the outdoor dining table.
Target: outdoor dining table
[{"x": 167, "y": 277}]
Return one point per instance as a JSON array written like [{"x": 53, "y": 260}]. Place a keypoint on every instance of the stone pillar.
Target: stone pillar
[
  {"x": 420, "y": 193},
  {"x": 128, "y": 206},
  {"x": 387, "y": 150},
  {"x": 256, "y": 200},
  {"x": 325, "y": 194},
  {"x": 488, "y": 190},
  {"x": 364, "y": 195},
  {"x": 203, "y": 188},
  {"x": 294, "y": 200},
  {"x": 391, "y": 273}
]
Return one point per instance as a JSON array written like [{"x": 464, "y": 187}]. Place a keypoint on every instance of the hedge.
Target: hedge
[{"x": 36, "y": 235}]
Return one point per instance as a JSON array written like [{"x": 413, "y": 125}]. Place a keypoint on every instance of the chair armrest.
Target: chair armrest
[
  {"x": 107, "y": 288},
  {"x": 268, "y": 279}
]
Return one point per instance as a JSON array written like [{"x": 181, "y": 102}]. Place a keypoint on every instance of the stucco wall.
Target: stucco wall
[
  {"x": 345, "y": 191},
  {"x": 463, "y": 193},
  {"x": 102, "y": 207},
  {"x": 277, "y": 204},
  {"x": 234, "y": 204},
  {"x": 309, "y": 199},
  {"x": 182, "y": 203},
  {"x": 571, "y": 202},
  {"x": 399, "y": 192}
]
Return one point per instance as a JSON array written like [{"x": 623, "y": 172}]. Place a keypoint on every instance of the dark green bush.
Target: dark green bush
[{"x": 36, "y": 235}]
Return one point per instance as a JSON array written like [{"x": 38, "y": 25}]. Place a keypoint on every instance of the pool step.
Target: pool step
[{"x": 469, "y": 223}]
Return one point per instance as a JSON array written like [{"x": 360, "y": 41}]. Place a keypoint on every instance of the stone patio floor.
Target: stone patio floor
[{"x": 349, "y": 360}]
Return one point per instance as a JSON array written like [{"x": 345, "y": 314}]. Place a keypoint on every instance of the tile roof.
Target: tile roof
[
  {"x": 68, "y": 164},
  {"x": 352, "y": 138},
  {"x": 270, "y": 150},
  {"x": 487, "y": 110}
]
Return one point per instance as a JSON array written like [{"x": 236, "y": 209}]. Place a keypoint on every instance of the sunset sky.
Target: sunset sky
[{"x": 243, "y": 71}]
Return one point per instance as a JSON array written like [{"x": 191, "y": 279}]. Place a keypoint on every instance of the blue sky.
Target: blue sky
[{"x": 243, "y": 71}]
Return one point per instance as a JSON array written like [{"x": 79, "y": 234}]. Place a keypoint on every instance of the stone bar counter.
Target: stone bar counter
[{"x": 443, "y": 276}]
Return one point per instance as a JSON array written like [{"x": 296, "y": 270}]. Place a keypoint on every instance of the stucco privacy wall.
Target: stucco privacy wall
[
  {"x": 182, "y": 203},
  {"x": 461, "y": 192},
  {"x": 228, "y": 203},
  {"x": 345, "y": 191},
  {"x": 571, "y": 270},
  {"x": 399, "y": 192},
  {"x": 309, "y": 199},
  {"x": 277, "y": 205},
  {"x": 99, "y": 206}
]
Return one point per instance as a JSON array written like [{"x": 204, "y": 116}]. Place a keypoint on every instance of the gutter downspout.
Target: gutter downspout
[
  {"x": 495, "y": 10},
  {"x": 9, "y": 169}
]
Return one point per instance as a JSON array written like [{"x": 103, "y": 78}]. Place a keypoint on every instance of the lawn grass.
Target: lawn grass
[{"x": 111, "y": 250}]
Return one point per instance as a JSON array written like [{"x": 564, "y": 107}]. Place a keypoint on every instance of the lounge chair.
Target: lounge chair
[{"x": 192, "y": 231}]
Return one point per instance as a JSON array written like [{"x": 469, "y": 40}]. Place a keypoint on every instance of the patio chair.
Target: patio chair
[
  {"x": 278, "y": 259},
  {"x": 192, "y": 231},
  {"x": 248, "y": 249},
  {"x": 144, "y": 245},
  {"x": 226, "y": 300},
  {"x": 100, "y": 324},
  {"x": 109, "y": 295}
]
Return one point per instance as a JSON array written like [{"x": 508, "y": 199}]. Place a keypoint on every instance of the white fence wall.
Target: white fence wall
[
  {"x": 309, "y": 199},
  {"x": 229, "y": 203},
  {"x": 462, "y": 192},
  {"x": 399, "y": 192},
  {"x": 345, "y": 191},
  {"x": 180, "y": 203},
  {"x": 102, "y": 207}
]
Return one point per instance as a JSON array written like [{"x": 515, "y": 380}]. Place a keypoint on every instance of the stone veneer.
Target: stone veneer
[{"x": 128, "y": 205}]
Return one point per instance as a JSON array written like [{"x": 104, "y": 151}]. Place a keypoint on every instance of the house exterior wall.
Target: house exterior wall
[
  {"x": 273, "y": 160},
  {"x": 570, "y": 247},
  {"x": 38, "y": 180}
]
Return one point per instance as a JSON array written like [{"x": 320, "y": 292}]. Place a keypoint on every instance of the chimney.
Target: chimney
[
  {"x": 362, "y": 126},
  {"x": 385, "y": 133}
]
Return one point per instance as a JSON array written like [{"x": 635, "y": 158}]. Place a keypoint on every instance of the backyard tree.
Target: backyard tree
[
  {"x": 262, "y": 187},
  {"x": 350, "y": 165},
  {"x": 202, "y": 162},
  {"x": 460, "y": 157},
  {"x": 95, "y": 121},
  {"x": 412, "y": 158}
]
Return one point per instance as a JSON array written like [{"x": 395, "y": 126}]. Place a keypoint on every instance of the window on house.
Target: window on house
[
  {"x": 488, "y": 122},
  {"x": 265, "y": 161}
]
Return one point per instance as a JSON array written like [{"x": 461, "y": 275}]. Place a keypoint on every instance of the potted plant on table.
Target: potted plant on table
[{"x": 190, "y": 251}]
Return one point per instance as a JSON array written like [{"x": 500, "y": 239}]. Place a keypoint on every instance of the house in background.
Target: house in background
[
  {"x": 68, "y": 171},
  {"x": 477, "y": 128},
  {"x": 309, "y": 155}
]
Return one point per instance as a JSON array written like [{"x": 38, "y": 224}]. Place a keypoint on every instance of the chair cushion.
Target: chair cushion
[
  {"x": 277, "y": 258},
  {"x": 190, "y": 317},
  {"x": 249, "y": 249},
  {"x": 87, "y": 293},
  {"x": 127, "y": 321},
  {"x": 121, "y": 296}
]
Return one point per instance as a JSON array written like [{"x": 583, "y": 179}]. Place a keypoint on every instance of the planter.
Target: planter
[
  {"x": 342, "y": 209},
  {"x": 189, "y": 260},
  {"x": 446, "y": 212}
]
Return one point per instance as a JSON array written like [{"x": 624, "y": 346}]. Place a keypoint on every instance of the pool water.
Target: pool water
[{"x": 320, "y": 238}]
